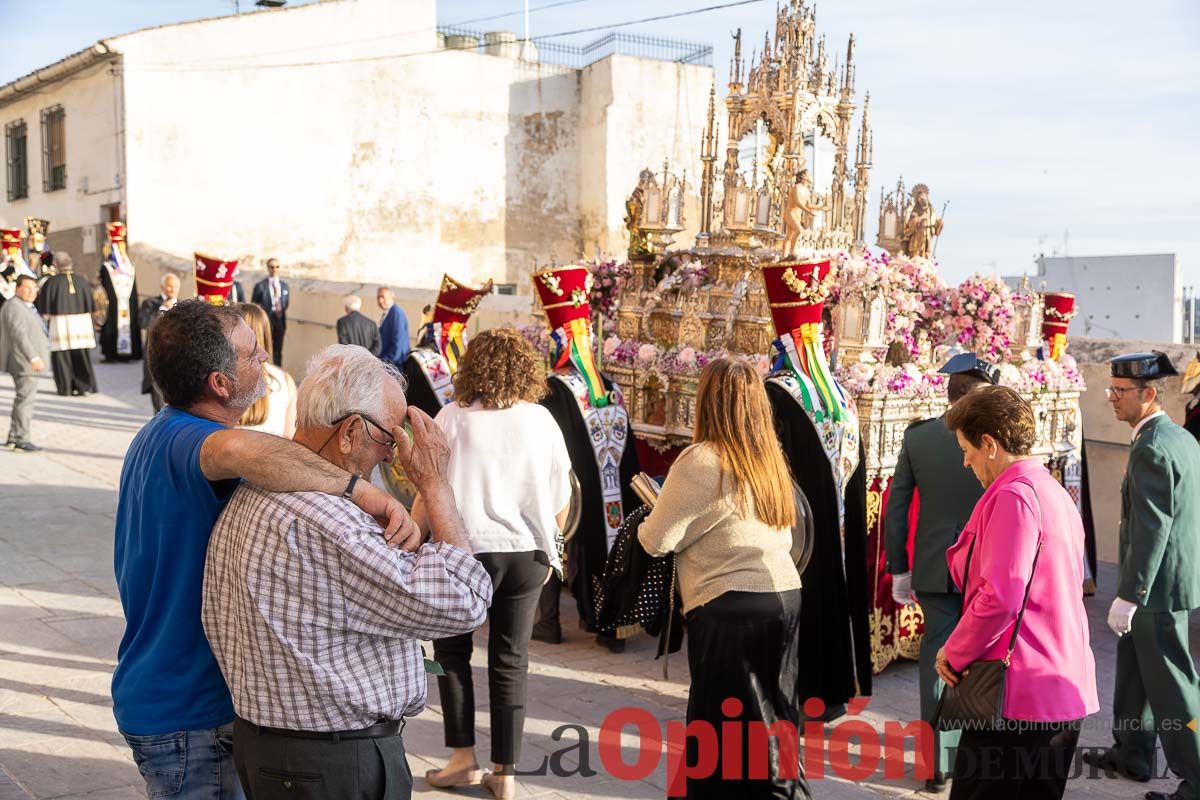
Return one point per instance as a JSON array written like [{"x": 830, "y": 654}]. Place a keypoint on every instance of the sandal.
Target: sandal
[
  {"x": 440, "y": 779},
  {"x": 500, "y": 789}
]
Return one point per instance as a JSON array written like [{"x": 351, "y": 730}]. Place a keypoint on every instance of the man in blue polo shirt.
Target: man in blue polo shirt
[{"x": 169, "y": 698}]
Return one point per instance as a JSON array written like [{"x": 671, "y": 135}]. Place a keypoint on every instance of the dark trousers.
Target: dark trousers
[
  {"x": 517, "y": 581},
  {"x": 278, "y": 327},
  {"x": 272, "y": 766},
  {"x": 547, "y": 624},
  {"x": 73, "y": 373},
  {"x": 1030, "y": 764},
  {"x": 942, "y": 612},
  {"x": 1157, "y": 694},
  {"x": 745, "y": 646}
]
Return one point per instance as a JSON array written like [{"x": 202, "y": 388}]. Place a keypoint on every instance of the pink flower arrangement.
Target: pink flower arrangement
[
  {"x": 981, "y": 316},
  {"x": 914, "y": 295},
  {"x": 608, "y": 279}
]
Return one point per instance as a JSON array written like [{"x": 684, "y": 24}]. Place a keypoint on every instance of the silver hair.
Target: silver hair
[
  {"x": 340, "y": 379},
  {"x": 352, "y": 302},
  {"x": 170, "y": 276}
]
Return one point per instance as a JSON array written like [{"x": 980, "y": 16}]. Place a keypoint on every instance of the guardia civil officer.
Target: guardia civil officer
[
  {"x": 1157, "y": 692},
  {"x": 931, "y": 463}
]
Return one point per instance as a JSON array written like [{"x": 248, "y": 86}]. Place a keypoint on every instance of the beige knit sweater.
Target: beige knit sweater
[{"x": 718, "y": 551}]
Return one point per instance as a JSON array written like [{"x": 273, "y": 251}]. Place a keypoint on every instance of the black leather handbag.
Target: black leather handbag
[{"x": 977, "y": 702}]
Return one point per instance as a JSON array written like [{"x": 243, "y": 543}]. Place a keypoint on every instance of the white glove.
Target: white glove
[
  {"x": 902, "y": 591},
  {"x": 1120, "y": 616}
]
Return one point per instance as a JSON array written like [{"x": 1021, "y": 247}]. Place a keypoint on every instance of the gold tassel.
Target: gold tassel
[{"x": 70, "y": 283}]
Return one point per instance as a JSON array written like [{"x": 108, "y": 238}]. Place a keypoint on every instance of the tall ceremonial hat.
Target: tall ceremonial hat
[
  {"x": 796, "y": 294},
  {"x": 564, "y": 293},
  {"x": 10, "y": 248},
  {"x": 971, "y": 364},
  {"x": 1056, "y": 317},
  {"x": 115, "y": 250},
  {"x": 455, "y": 304},
  {"x": 1143, "y": 366},
  {"x": 214, "y": 278},
  {"x": 36, "y": 232}
]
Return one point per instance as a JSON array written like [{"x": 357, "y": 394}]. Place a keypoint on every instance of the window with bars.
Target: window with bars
[
  {"x": 16, "y": 156},
  {"x": 54, "y": 149}
]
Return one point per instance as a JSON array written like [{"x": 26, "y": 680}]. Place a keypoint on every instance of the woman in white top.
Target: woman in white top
[
  {"x": 275, "y": 411},
  {"x": 511, "y": 476}
]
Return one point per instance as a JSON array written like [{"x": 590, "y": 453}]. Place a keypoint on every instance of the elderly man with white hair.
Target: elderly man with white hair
[
  {"x": 315, "y": 619},
  {"x": 356, "y": 328}
]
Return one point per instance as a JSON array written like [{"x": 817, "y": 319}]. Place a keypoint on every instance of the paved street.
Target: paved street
[{"x": 61, "y": 623}]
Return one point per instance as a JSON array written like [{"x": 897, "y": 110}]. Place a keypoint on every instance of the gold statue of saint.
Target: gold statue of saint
[
  {"x": 922, "y": 226},
  {"x": 803, "y": 204},
  {"x": 638, "y": 244}
]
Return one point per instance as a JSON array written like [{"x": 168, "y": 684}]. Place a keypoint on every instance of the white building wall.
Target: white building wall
[
  {"x": 91, "y": 105},
  {"x": 1120, "y": 297}
]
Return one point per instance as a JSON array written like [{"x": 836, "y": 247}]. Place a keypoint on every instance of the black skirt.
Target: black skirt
[{"x": 743, "y": 646}]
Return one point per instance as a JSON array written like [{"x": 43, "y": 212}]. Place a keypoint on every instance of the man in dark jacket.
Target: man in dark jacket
[
  {"x": 356, "y": 328},
  {"x": 271, "y": 293},
  {"x": 930, "y": 464}
]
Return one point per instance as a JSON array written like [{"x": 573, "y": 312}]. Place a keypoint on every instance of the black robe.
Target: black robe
[
  {"x": 834, "y": 606},
  {"x": 419, "y": 393},
  {"x": 587, "y": 550},
  {"x": 73, "y": 371},
  {"x": 108, "y": 331}
]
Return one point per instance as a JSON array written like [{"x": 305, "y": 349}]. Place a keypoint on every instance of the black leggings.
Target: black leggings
[{"x": 517, "y": 580}]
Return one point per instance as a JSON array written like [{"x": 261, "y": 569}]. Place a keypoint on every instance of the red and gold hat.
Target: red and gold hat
[
  {"x": 10, "y": 239},
  {"x": 563, "y": 293},
  {"x": 797, "y": 293},
  {"x": 1056, "y": 318},
  {"x": 214, "y": 278},
  {"x": 116, "y": 232},
  {"x": 456, "y": 302}
]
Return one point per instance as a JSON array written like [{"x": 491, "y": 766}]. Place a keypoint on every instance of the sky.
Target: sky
[{"x": 1055, "y": 126}]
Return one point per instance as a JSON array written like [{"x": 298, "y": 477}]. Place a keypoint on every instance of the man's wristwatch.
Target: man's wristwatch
[{"x": 350, "y": 487}]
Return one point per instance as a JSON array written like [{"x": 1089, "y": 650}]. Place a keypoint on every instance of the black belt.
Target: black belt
[{"x": 379, "y": 730}]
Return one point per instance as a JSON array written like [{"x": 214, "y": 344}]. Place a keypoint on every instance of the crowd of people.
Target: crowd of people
[{"x": 284, "y": 653}]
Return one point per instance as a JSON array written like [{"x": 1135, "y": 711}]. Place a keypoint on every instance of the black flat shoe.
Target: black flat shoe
[
  {"x": 26, "y": 447},
  {"x": 1105, "y": 760},
  {"x": 937, "y": 783},
  {"x": 613, "y": 644},
  {"x": 547, "y": 636}
]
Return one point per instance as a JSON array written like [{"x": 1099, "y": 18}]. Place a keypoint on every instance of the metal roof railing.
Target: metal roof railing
[{"x": 547, "y": 51}]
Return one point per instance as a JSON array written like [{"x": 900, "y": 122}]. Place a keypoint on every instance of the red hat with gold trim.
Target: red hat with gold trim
[
  {"x": 1056, "y": 318},
  {"x": 10, "y": 240},
  {"x": 214, "y": 277},
  {"x": 456, "y": 302},
  {"x": 564, "y": 293},
  {"x": 797, "y": 293},
  {"x": 115, "y": 250}
]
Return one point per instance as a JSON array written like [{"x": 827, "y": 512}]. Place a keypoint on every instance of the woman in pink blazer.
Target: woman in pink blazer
[{"x": 1051, "y": 682}]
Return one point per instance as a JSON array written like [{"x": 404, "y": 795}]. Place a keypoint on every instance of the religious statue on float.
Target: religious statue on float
[
  {"x": 801, "y": 214},
  {"x": 590, "y": 411},
  {"x": 907, "y": 223},
  {"x": 121, "y": 333},
  {"x": 818, "y": 428}
]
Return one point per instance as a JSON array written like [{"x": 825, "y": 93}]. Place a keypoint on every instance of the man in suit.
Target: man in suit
[
  {"x": 24, "y": 352},
  {"x": 355, "y": 328},
  {"x": 272, "y": 294},
  {"x": 393, "y": 329},
  {"x": 1157, "y": 692},
  {"x": 148, "y": 314},
  {"x": 931, "y": 463}
]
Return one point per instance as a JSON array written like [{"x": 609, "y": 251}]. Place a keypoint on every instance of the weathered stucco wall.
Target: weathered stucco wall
[
  {"x": 91, "y": 104},
  {"x": 399, "y": 164}
]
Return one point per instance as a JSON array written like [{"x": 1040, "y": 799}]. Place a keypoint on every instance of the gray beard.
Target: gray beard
[{"x": 244, "y": 400}]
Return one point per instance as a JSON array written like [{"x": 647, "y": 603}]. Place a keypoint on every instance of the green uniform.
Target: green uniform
[
  {"x": 1157, "y": 690},
  {"x": 931, "y": 462}
]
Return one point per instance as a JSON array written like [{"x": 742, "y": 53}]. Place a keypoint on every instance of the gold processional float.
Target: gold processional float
[{"x": 786, "y": 191}]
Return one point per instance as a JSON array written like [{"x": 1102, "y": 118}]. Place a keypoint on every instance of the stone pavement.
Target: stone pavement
[{"x": 60, "y": 623}]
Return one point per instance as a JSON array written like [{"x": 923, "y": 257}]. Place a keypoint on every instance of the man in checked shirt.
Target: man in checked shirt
[{"x": 315, "y": 620}]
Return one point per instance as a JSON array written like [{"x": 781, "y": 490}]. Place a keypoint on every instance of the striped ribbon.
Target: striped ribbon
[
  {"x": 573, "y": 343},
  {"x": 1058, "y": 343},
  {"x": 451, "y": 341},
  {"x": 806, "y": 360}
]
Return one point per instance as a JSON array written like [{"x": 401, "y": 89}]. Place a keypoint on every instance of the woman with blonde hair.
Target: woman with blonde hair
[
  {"x": 726, "y": 511},
  {"x": 275, "y": 411},
  {"x": 511, "y": 475}
]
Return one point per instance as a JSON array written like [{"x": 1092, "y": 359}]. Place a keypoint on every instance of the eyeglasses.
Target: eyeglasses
[
  {"x": 389, "y": 442},
  {"x": 1119, "y": 391}
]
